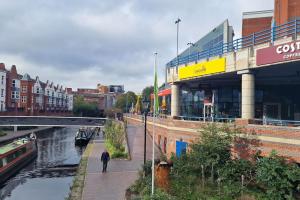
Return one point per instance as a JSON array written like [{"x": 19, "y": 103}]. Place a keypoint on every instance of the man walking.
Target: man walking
[{"x": 105, "y": 158}]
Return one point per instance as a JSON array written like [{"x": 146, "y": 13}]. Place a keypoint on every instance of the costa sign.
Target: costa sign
[{"x": 279, "y": 53}]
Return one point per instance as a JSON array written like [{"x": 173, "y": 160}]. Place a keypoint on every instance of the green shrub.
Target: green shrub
[{"x": 278, "y": 178}]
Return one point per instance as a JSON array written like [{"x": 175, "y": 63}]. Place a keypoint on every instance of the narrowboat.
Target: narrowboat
[
  {"x": 83, "y": 136},
  {"x": 15, "y": 155}
]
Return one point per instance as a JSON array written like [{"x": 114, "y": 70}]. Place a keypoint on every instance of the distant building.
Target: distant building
[
  {"x": 26, "y": 94},
  {"x": 3, "y": 73},
  {"x": 22, "y": 95},
  {"x": 13, "y": 90},
  {"x": 103, "y": 96},
  {"x": 69, "y": 98}
]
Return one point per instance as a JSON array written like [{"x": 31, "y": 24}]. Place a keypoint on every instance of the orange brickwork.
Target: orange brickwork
[
  {"x": 254, "y": 25},
  {"x": 285, "y": 140},
  {"x": 286, "y": 10}
]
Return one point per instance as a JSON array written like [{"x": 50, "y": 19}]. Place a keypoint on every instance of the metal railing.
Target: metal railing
[
  {"x": 207, "y": 119},
  {"x": 290, "y": 29},
  {"x": 276, "y": 122}
]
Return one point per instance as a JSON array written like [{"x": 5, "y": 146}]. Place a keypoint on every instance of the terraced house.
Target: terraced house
[{"x": 22, "y": 95}]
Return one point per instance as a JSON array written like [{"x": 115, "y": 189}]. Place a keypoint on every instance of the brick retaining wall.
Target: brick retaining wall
[{"x": 285, "y": 140}]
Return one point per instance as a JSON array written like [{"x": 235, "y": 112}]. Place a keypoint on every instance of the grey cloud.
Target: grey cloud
[{"x": 112, "y": 41}]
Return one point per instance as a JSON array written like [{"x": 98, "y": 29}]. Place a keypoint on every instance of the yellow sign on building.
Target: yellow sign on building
[{"x": 203, "y": 68}]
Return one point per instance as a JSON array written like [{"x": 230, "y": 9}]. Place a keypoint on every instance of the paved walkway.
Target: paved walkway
[
  {"x": 120, "y": 173},
  {"x": 11, "y": 135}
]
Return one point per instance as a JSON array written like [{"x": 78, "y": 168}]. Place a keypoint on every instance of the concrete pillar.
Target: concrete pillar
[
  {"x": 175, "y": 100},
  {"x": 248, "y": 95},
  {"x": 15, "y": 128}
]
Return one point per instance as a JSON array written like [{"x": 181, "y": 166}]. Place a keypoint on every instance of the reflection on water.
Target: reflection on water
[{"x": 37, "y": 180}]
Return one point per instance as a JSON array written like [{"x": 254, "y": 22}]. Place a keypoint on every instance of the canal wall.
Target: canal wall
[{"x": 263, "y": 138}]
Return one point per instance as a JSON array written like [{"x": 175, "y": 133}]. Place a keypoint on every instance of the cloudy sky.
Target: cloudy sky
[{"x": 80, "y": 43}]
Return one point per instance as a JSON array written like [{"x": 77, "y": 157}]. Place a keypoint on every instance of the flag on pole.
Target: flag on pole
[
  {"x": 155, "y": 112},
  {"x": 156, "y": 106}
]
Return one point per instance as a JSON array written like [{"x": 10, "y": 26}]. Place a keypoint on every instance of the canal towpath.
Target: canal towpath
[
  {"x": 120, "y": 173},
  {"x": 11, "y": 135}
]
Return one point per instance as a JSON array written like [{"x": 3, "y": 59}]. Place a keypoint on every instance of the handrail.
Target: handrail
[
  {"x": 291, "y": 28},
  {"x": 276, "y": 122}
]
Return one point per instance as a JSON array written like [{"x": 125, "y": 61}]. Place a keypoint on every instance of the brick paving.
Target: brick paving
[{"x": 120, "y": 173}]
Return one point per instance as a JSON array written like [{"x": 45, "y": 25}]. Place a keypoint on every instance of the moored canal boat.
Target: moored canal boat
[
  {"x": 83, "y": 136},
  {"x": 15, "y": 155}
]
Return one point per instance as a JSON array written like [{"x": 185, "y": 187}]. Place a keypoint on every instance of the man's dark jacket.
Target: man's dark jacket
[{"x": 105, "y": 157}]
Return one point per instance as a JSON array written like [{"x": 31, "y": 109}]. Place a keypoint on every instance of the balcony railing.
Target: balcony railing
[{"x": 290, "y": 29}]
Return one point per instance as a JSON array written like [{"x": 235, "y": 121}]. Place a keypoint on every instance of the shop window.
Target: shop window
[
  {"x": 225, "y": 95},
  {"x": 259, "y": 96}
]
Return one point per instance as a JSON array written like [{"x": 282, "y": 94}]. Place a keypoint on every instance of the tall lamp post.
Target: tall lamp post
[
  {"x": 145, "y": 110},
  {"x": 177, "y": 23}
]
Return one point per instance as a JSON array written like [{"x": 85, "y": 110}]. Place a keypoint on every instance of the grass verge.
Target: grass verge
[{"x": 78, "y": 181}]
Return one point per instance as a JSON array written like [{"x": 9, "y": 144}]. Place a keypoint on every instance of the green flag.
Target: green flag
[{"x": 155, "y": 92}]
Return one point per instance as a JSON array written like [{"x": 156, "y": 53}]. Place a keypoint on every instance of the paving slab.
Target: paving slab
[{"x": 120, "y": 173}]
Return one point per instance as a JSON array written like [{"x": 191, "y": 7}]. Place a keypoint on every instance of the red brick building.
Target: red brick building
[
  {"x": 22, "y": 95},
  {"x": 286, "y": 10},
  {"x": 13, "y": 90},
  {"x": 256, "y": 21},
  {"x": 26, "y": 94}
]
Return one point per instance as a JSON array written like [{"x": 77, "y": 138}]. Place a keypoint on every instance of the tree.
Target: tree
[
  {"x": 125, "y": 101},
  {"x": 146, "y": 93},
  {"x": 82, "y": 108}
]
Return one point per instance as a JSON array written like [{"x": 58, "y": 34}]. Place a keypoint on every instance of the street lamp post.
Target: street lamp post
[
  {"x": 190, "y": 44},
  {"x": 146, "y": 109},
  {"x": 177, "y": 22}
]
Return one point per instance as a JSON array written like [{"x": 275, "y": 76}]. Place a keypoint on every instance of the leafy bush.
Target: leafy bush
[
  {"x": 208, "y": 172},
  {"x": 114, "y": 139},
  {"x": 278, "y": 178}
]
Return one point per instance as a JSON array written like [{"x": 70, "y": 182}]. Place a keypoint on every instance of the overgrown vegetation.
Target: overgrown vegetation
[
  {"x": 126, "y": 101},
  {"x": 207, "y": 171},
  {"x": 85, "y": 109},
  {"x": 78, "y": 181},
  {"x": 115, "y": 139}
]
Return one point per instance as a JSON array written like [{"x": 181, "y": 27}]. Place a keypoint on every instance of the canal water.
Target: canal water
[{"x": 39, "y": 180}]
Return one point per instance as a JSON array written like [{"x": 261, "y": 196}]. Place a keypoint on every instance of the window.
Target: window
[
  {"x": 14, "y": 83},
  {"x": 24, "y": 99},
  {"x": 48, "y": 93},
  {"x": 24, "y": 89},
  {"x": 15, "y": 95},
  {"x": 2, "y": 92},
  {"x": 3, "y": 162},
  {"x": 2, "y": 80},
  {"x": 37, "y": 90}
]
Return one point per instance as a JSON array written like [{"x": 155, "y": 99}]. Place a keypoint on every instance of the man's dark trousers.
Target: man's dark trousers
[{"x": 104, "y": 166}]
